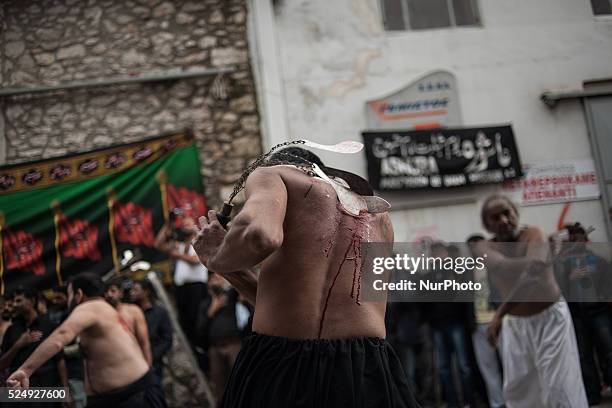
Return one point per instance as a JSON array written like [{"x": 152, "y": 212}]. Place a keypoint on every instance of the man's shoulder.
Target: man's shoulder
[
  {"x": 532, "y": 233},
  {"x": 133, "y": 309},
  {"x": 386, "y": 225},
  {"x": 288, "y": 173},
  {"x": 95, "y": 307}
]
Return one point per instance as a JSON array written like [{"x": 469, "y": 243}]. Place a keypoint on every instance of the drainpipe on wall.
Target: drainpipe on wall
[{"x": 267, "y": 70}]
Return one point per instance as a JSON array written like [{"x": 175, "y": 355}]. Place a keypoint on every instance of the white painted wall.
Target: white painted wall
[{"x": 335, "y": 55}]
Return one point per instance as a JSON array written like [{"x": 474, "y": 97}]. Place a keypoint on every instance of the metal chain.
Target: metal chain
[{"x": 259, "y": 161}]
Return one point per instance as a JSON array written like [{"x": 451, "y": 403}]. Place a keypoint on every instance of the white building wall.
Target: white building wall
[{"x": 335, "y": 55}]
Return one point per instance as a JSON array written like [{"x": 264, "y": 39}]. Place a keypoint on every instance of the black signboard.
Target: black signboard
[{"x": 440, "y": 158}]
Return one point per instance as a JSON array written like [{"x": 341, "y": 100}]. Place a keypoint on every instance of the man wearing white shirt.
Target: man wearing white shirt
[{"x": 190, "y": 276}]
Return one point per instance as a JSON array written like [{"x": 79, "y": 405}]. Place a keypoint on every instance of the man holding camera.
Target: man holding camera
[
  {"x": 190, "y": 276},
  {"x": 220, "y": 325}
]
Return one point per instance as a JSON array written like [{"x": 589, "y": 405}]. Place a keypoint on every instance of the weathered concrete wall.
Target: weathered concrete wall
[
  {"x": 51, "y": 41},
  {"x": 335, "y": 55}
]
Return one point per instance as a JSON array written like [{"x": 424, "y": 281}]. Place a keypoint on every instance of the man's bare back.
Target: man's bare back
[
  {"x": 311, "y": 332},
  {"x": 113, "y": 358},
  {"x": 309, "y": 287},
  {"x": 135, "y": 320}
]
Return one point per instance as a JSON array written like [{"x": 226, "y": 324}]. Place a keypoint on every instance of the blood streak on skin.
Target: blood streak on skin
[
  {"x": 330, "y": 240},
  {"x": 309, "y": 188},
  {"x": 353, "y": 252},
  {"x": 123, "y": 323}
]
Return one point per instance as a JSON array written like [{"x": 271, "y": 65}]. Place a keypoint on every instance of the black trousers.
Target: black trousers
[
  {"x": 280, "y": 372},
  {"x": 143, "y": 393},
  {"x": 188, "y": 297}
]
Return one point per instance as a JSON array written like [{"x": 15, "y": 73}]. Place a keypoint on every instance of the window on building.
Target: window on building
[
  {"x": 601, "y": 7},
  {"x": 423, "y": 14}
]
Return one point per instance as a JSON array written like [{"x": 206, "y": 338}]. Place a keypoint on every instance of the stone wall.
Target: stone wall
[{"x": 51, "y": 41}]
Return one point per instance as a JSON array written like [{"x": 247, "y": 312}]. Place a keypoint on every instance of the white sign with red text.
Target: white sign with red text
[{"x": 555, "y": 182}]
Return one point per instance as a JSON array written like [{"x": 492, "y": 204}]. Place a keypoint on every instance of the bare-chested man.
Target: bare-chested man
[
  {"x": 116, "y": 373},
  {"x": 132, "y": 315},
  {"x": 315, "y": 345},
  {"x": 540, "y": 357},
  {"x": 6, "y": 304},
  {"x": 5, "y": 322}
]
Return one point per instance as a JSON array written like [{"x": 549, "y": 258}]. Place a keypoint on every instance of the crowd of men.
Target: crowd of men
[
  {"x": 30, "y": 318},
  {"x": 314, "y": 341},
  {"x": 512, "y": 345}
]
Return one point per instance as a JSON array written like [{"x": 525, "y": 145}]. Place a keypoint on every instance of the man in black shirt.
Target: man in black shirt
[
  {"x": 221, "y": 322},
  {"x": 586, "y": 282},
  {"x": 25, "y": 334},
  {"x": 158, "y": 323}
]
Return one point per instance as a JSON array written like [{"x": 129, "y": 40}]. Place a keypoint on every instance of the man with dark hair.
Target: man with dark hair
[
  {"x": 586, "y": 282},
  {"x": 24, "y": 335},
  {"x": 190, "y": 276},
  {"x": 58, "y": 305},
  {"x": 323, "y": 346},
  {"x": 450, "y": 327},
  {"x": 131, "y": 314},
  {"x": 157, "y": 320},
  {"x": 296, "y": 155},
  {"x": 484, "y": 311},
  {"x": 540, "y": 356},
  {"x": 220, "y": 331},
  {"x": 6, "y": 315},
  {"x": 116, "y": 373}
]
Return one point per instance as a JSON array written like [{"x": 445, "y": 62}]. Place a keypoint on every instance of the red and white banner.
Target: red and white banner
[{"x": 555, "y": 182}]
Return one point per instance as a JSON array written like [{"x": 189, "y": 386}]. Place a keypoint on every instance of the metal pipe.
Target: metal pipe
[
  {"x": 167, "y": 76},
  {"x": 551, "y": 98}
]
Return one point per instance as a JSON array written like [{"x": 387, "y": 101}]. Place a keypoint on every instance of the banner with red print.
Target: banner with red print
[{"x": 66, "y": 215}]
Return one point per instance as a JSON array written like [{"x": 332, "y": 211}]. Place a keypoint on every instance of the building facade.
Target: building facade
[
  {"x": 75, "y": 44},
  {"x": 318, "y": 63}
]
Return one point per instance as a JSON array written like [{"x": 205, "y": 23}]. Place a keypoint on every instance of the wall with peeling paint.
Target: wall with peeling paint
[{"x": 335, "y": 55}]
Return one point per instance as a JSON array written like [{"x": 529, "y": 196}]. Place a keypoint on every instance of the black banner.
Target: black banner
[{"x": 440, "y": 158}]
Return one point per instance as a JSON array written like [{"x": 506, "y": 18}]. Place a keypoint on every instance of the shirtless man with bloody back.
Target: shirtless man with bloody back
[
  {"x": 116, "y": 373},
  {"x": 315, "y": 343},
  {"x": 132, "y": 315}
]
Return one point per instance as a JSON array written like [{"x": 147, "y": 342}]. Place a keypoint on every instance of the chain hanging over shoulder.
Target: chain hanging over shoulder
[{"x": 262, "y": 160}]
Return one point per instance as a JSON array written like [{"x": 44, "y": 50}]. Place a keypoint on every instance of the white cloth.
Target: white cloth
[
  {"x": 184, "y": 272},
  {"x": 242, "y": 315},
  {"x": 486, "y": 357},
  {"x": 541, "y": 364}
]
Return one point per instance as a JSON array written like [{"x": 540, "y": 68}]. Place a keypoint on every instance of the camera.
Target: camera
[{"x": 177, "y": 233}]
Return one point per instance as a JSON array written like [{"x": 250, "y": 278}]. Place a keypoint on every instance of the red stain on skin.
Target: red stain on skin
[
  {"x": 361, "y": 226},
  {"x": 352, "y": 253},
  {"x": 123, "y": 323},
  {"x": 330, "y": 240},
  {"x": 308, "y": 191}
]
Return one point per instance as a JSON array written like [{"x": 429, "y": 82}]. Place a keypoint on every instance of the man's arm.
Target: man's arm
[
  {"x": 533, "y": 267},
  {"x": 142, "y": 333},
  {"x": 162, "y": 241},
  {"x": 506, "y": 267},
  {"x": 25, "y": 339},
  {"x": 83, "y": 317},
  {"x": 255, "y": 233},
  {"x": 245, "y": 282},
  {"x": 164, "y": 244},
  {"x": 537, "y": 249}
]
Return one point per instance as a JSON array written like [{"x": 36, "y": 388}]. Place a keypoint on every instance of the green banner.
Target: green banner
[{"x": 78, "y": 213}]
